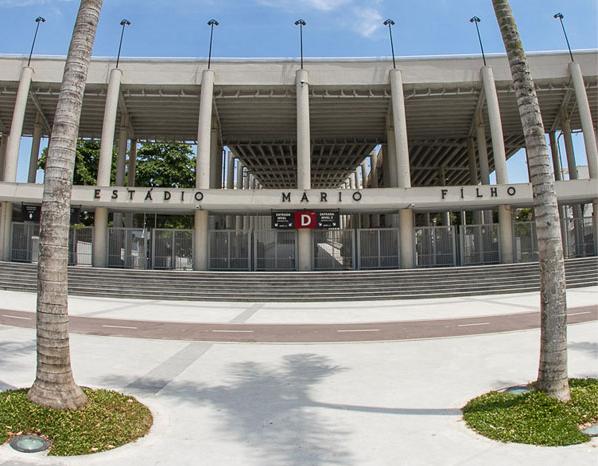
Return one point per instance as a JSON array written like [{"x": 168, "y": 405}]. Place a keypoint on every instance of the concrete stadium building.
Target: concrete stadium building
[{"x": 345, "y": 164}]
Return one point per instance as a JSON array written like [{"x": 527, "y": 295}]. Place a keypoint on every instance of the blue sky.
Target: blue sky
[{"x": 264, "y": 28}]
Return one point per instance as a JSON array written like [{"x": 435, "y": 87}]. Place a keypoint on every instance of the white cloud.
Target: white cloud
[
  {"x": 370, "y": 21},
  {"x": 365, "y": 12}
]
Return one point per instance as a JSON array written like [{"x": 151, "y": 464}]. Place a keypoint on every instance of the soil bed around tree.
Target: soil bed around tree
[
  {"x": 533, "y": 417},
  {"x": 109, "y": 420}
]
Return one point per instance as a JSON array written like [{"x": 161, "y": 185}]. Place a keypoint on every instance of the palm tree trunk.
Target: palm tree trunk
[
  {"x": 54, "y": 386},
  {"x": 552, "y": 372}
]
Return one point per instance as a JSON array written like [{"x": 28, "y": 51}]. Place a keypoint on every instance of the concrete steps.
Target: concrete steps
[{"x": 293, "y": 286}]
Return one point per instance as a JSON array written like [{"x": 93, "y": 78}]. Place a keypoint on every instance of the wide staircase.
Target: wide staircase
[{"x": 308, "y": 286}]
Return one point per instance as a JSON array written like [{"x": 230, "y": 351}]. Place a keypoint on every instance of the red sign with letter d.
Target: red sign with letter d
[{"x": 306, "y": 219}]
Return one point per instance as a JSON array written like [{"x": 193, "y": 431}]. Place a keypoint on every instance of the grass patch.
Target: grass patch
[
  {"x": 109, "y": 420},
  {"x": 534, "y": 418}
]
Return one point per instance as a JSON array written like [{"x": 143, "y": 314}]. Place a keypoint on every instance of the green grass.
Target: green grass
[
  {"x": 535, "y": 418},
  {"x": 109, "y": 420}
]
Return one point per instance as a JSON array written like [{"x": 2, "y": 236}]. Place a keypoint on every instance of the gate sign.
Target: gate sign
[
  {"x": 306, "y": 219},
  {"x": 283, "y": 220},
  {"x": 31, "y": 213},
  {"x": 330, "y": 219}
]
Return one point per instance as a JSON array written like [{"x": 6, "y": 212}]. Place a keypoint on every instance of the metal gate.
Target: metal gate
[
  {"x": 275, "y": 250},
  {"x": 128, "y": 248},
  {"x": 229, "y": 250},
  {"x": 25, "y": 242},
  {"x": 172, "y": 249},
  {"x": 378, "y": 248},
  {"x": 525, "y": 242},
  {"x": 579, "y": 237},
  {"x": 480, "y": 244},
  {"x": 435, "y": 246},
  {"x": 333, "y": 249},
  {"x": 80, "y": 242}
]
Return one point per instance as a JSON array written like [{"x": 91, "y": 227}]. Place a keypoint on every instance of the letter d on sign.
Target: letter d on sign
[{"x": 305, "y": 220}]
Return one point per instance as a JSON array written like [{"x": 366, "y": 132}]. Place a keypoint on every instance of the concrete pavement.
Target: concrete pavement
[{"x": 363, "y": 404}]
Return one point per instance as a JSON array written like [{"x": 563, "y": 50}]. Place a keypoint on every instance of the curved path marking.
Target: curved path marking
[{"x": 302, "y": 333}]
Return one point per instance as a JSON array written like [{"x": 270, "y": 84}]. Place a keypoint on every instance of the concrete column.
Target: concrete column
[
  {"x": 121, "y": 161},
  {"x": 483, "y": 152},
  {"x": 16, "y": 128},
  {"x": 585, "y": 115},
  {"x": 556, "y": 159},
  {"x": 230, "y": 185},
  {"x": 239, "y": 218},
  {"x": 3, "y": 141},
  {"x": 4, "y": 206},
  {"x": 132, "y": 166},
  {"x": 446, "y": 216},
  {"x": 500, "y": 162},
  {"x": 571, "y": 163},
  {"x": 402, "y": 167},
  {"x": 202, "y": 170},
  {"x": 352, "y": 181},
  {"x": 215, "y": 160},
  {"x": 375, "y": 218},
  {"x": 304, "y": 237},
  {"x": 35, "y": 146},
  {"x": 100, "y": 231}
]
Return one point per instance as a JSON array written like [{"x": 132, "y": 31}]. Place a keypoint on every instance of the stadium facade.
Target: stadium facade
[{"x": 345, "y": 164}]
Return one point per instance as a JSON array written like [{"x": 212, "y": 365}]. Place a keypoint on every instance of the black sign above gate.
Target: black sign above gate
[
  {"x": 283, "y": 220},
  {"x": 288, "y": 220},
  {"x": 31, "y": 213}
]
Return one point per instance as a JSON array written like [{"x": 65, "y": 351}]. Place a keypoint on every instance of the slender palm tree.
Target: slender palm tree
[
  {"x": 552, "y": 372},
  {"x": 54, "y": 385}
]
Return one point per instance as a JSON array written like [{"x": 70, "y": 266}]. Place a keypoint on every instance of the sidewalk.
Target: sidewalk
[
  {"x": 301, "y": 313},
  {"x": 353, "y": 404}
]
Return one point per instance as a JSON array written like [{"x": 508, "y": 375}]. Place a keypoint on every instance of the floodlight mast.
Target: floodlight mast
[
  {"x": 38, "y": 20},
  {"x": 560, "y": 17},
  {"x": 301, "y": 23},
  {"x": 390, "y": 23},
  {"x": 124, "y": 23},
  {"x": 476, "y": 20},
  {"x": 211, "y": 23}
]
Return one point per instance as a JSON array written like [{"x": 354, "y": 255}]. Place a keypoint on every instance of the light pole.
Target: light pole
[
  {"x": 390, "y": 23},
  {"x": 475, "y": 20},
  {"x": 38, "y": 20},
  {"x": 211, "y": 23},
  {"x": 560, "y": 17},
  {"x": 301, "y": 23},
  {"x": 124, "y": 23}
]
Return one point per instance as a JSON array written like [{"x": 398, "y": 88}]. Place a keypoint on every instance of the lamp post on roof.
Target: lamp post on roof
[
  {"x": 390, "y": 23},
  {"x": 476, "y": 20},
  {"x": 124, "y": 23},
  {"x": 301, "y": 23},
  {"x": 560, "y": 17},
  {"x": 38, "y": 20},
  {"x": 211, "y": 23}
]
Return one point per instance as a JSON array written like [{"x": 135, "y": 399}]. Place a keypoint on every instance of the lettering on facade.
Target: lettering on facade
[{"x": 480, "y": 192}]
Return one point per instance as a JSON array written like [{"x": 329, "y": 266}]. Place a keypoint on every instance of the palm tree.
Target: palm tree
[
  {"x": 552, "y": 372},
  {"x": 54, "y": 385}
]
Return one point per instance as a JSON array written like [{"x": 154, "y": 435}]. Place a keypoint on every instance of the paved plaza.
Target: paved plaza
[{"x": 383, "y": 403}]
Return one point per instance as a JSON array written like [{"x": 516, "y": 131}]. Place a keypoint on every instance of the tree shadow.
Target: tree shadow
[
  {"x": 272, "y": 410},
  {"x": 587, "y": 346},
  {"x": 9, "y": 351}
]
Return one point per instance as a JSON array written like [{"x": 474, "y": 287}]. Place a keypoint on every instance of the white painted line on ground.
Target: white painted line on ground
[
  {"x": 119, "y": 326},
  {"x": 29, "y": 318},
  {"x": 473, "y": 325},
  {"x": 579, "y": 313},
  {"x": 232, "y": 331},
  {"x": 359, "y": 330}
]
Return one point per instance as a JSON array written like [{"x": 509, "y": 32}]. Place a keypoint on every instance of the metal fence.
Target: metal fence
[
  {"x": 80, "y": 245},
  {"x": 172, "y": 249},
  {"x": 275, "y": 250},
  {"x": 435, "y": 246},
  {"x": 378, "y": 249},
  {"x": 129, "y": 248},
  {"x": 479, "y": 244},
  {"x": 579, "y": 237},
  {"x": 229, "y": 250},
  {"x": 25, "y": 242},
  {"x": 525, "y": 242},
  {"x": 333, "y": 249}
]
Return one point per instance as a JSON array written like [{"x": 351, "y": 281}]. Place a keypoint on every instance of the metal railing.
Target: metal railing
[
  {"x": 128, "y": 248},
  {"x": 378, "y": 248},
  {"x": 435, "y": 246},
  {"x": 172, "y": 249},
  {"x": 333, "y": 249},
  {"x": 229, "y": 250},
  {"x": 274, "y": 250},
  {"x": 479, "y": 244}
]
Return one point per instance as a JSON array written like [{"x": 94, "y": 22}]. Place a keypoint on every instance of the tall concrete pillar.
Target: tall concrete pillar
[
  {"x": 3, "y": 144},
  {"x": 35, "y": 147},
  {"x": 558, "y": 176},
  {"x": 375, "y": 218},
  {"x": 132, "y": 164},
  {"x": 446, "y": 216},
  {"x": 100, "y": 231},
  {"x": 500, "y": 163},
  {"x": 473, "y": 175},
  {"x": 573, "y": 175},
  {"x": 589, "y": 135},
  {"x": 215, "y": 160},
  {"x": 204, "y": 151},
  {"x": 121, "y": 160},
  {"x": 402, "y": 167},
  {"x": 239, "y": 218},
  {"x": 230, "y": 184},
  {"x": 304, "y": 237},
  {"x": 11, "y": 157}
]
